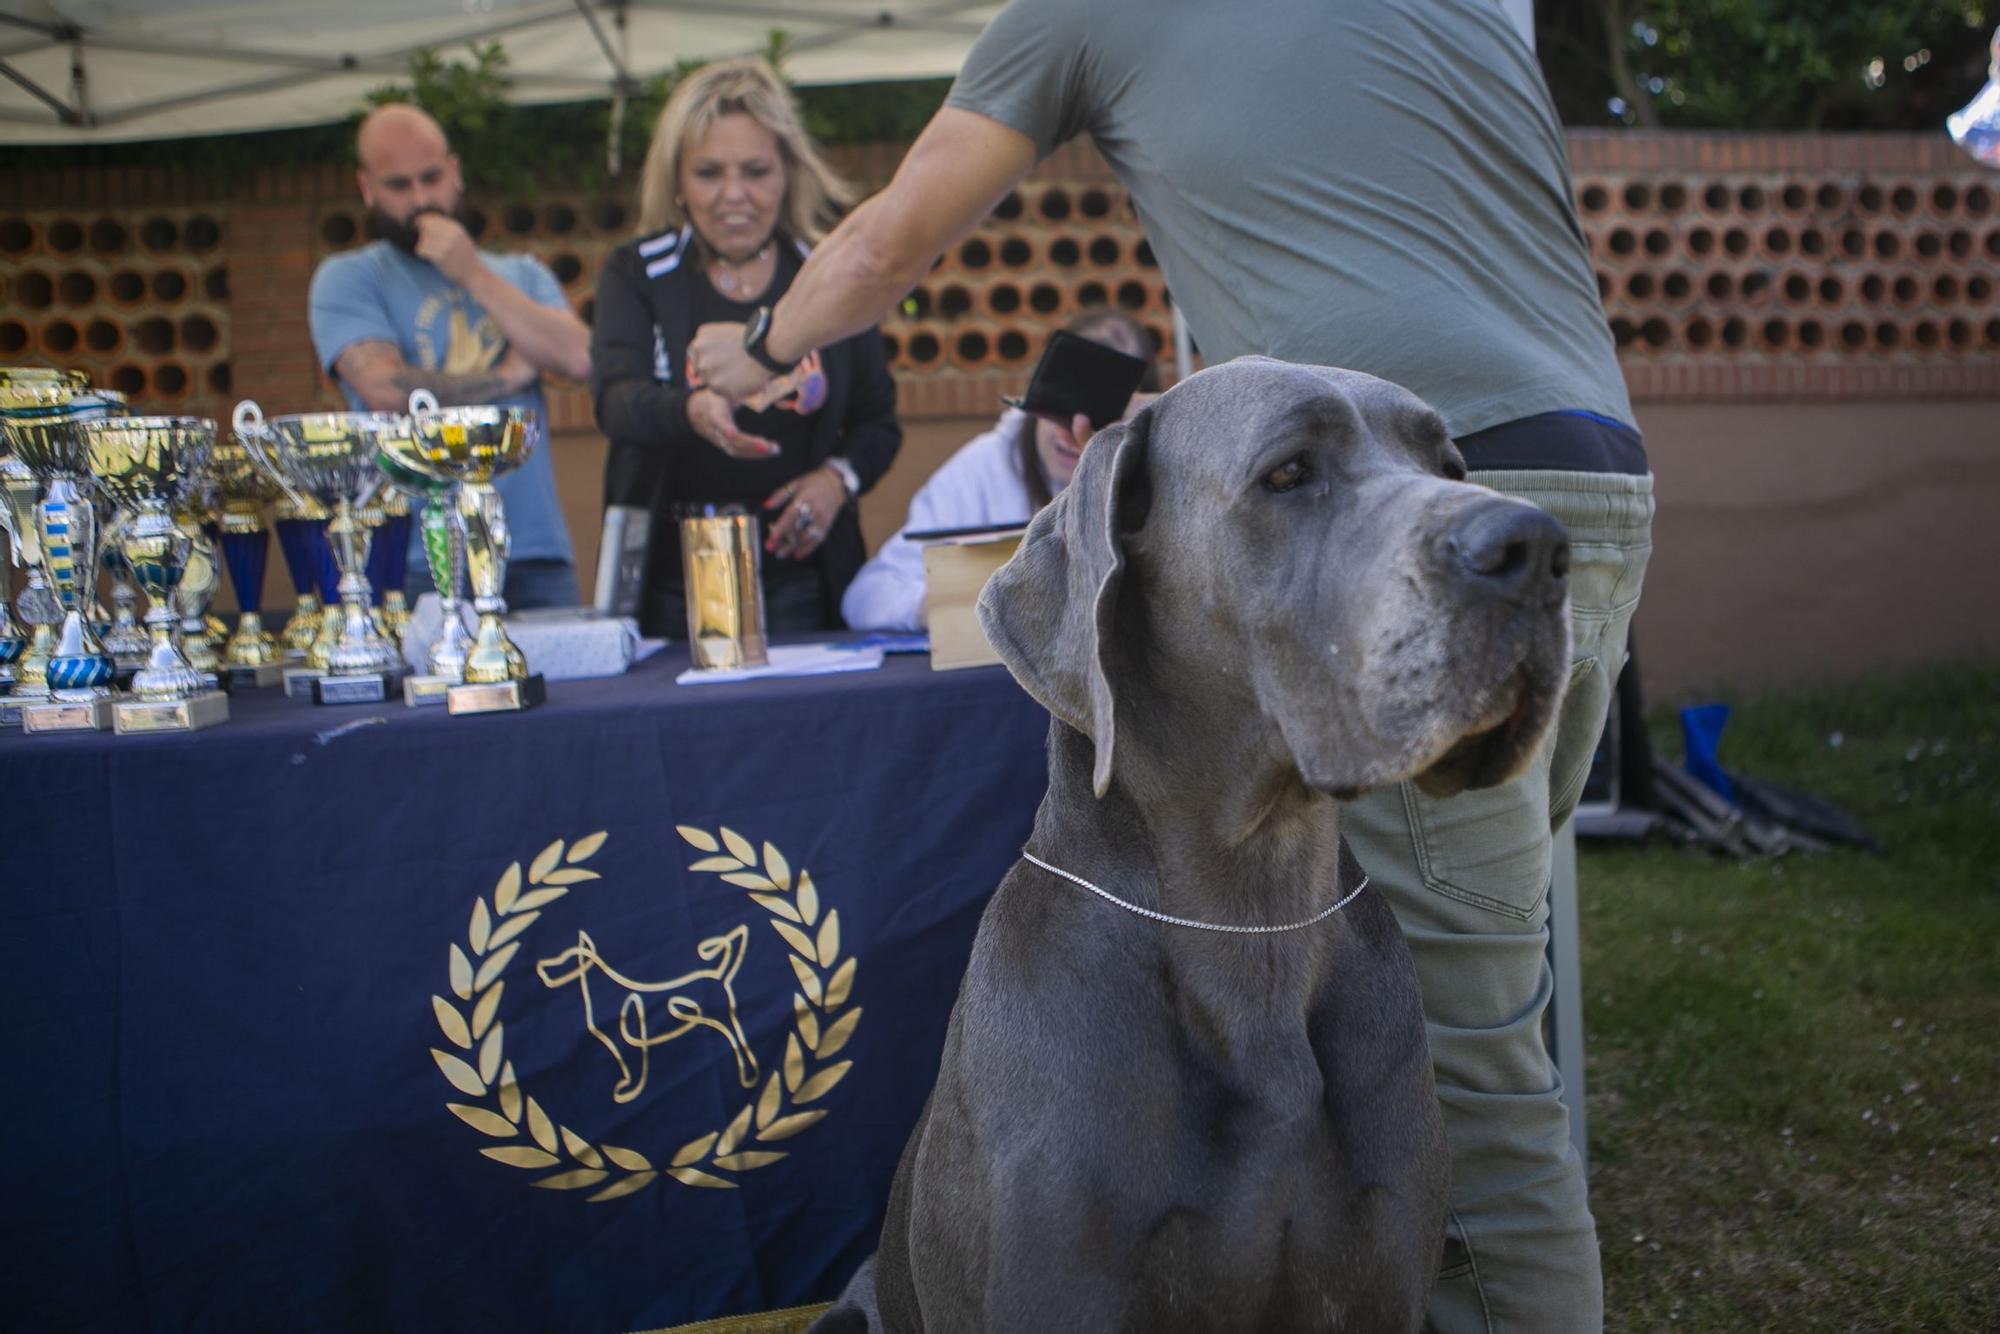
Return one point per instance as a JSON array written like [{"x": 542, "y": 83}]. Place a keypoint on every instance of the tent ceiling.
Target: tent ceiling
[{"x": 106, "y": 70}]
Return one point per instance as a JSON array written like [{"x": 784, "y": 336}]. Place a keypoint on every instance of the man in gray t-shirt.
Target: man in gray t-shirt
[{"x": 1379, "y": 185}]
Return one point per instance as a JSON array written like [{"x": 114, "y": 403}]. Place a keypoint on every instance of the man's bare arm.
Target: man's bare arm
[
  {"x": 958, "y": 169},
  {"x": 551, "y": 339},
  {"x": 383, "y": 380}
]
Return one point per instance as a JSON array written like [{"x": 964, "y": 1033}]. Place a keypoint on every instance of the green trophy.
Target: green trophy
[
  {"x": 444, "y": 555},
  {"x": 467, "y": 448}
]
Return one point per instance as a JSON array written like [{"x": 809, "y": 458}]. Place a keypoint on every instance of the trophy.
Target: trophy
[
  {"x": 389, "y": 563},
  {"x": 301, "y": 539},
  {"x": 198, "y": 583},
  {"x": 12, "y": 641},
  {"x": 444, "y": 554},
  {"x": 251, "y": 656},
  {"x": 466, "y": 448},
  {"x": 45, "y": 414},
  {"x": 150, "y": 465},
  {"x": 329, "y": 457},
  {"x": 127, "y": 644},
  {"x": 36, "y": 611}
]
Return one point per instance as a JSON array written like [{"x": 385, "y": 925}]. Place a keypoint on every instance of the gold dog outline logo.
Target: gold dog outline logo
[
  {"x": 823, "y": 1024},
  {"x": 577, "y": 964}
]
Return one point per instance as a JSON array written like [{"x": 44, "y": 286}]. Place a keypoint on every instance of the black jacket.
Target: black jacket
[{"x": 638, "y": 355}]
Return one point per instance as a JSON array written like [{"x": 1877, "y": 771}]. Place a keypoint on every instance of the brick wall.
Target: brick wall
[
  {"x": 1754, "y": 283},
  {"x": 1732, "y": 267}
]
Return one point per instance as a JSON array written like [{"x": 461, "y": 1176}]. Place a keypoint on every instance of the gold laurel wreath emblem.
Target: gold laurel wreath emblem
[{"x": 824, "y": 1022}]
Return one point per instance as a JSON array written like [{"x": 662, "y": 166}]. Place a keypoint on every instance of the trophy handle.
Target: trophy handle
[
  {"x": 250, "y": 427},
  {"x": 423, "y": 404}
]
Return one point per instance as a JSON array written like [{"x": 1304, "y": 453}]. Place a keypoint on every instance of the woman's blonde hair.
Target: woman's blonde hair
[{"x": 751, "y": 86}]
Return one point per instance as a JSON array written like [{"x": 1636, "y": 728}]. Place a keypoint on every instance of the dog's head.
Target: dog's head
[{"x": 1300, "y": 541}]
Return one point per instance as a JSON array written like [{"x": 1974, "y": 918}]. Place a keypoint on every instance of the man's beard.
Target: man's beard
[{"x": 404, "y": 234}]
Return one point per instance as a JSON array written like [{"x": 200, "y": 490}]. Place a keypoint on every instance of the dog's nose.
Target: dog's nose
[{"x": 1514, "y": 551}]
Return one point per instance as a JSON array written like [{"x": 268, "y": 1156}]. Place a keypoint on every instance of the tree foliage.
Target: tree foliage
[{"x": 1762, "y": 64}]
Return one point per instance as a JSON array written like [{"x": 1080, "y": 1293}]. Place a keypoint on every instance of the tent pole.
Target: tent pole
[{"x": 39, "y": 93}]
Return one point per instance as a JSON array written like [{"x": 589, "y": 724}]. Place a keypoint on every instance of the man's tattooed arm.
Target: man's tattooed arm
[{"x": 383, "y": 380}]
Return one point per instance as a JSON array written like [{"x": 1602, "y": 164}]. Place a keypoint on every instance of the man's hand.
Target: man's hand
[
  {"x": 714, "y": 420},
  {"x": 516, "y": 372},
  {"x": 718, "y": 357},
  {"x": 445, "y": 243}
]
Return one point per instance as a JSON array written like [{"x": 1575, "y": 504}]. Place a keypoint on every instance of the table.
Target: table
[{"x": 369, "y": 1018}]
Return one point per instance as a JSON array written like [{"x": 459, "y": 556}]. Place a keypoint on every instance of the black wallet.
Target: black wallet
[{"x": 1076, "y": 375}]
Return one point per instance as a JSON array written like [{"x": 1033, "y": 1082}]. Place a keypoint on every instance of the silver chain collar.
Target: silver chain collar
[{"x": 1184, "y": 921}]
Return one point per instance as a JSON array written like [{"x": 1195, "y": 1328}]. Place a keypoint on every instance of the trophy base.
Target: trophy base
[
  {"x": 269, "y": 674},
  {"x": 497, "y": 697},
  {"x": 364, "y": 688},
  {"x": 10, "y": 710},
  {"x": 299, "y": 681},
  {"x": 67, "y": 715},
  {"x": 423, "y": 692},
  {"x": 170, "y": 715}
]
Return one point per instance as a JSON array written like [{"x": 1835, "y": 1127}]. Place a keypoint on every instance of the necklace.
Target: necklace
[
  {"x": 1183, "y": 921},
  {"x": 726, "y": 280}
]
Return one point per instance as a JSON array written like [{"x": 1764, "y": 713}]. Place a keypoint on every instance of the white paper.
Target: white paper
[{"x": 791, "y": 660}]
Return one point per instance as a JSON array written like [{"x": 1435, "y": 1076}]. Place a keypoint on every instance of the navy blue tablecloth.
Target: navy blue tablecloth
[{"x": 603, "y": 1017}]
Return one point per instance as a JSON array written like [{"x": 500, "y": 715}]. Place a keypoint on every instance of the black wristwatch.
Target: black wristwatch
[{"x": 754, "y": 335}]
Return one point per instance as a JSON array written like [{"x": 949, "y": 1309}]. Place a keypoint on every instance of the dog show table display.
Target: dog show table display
[{"x": 605, "y": 1016}]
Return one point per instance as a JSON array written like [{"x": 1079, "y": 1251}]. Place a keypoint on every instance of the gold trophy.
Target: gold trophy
[
  {"x": 389, "y": 562},
  {"x": 12, "y": 641},
  {"x": 45, "y": 413},
  {"x": 302, "y": 540},
  {"x": 29, "y": 636},
  {"x": 250, "y": 657},
  {"x": 329, "y": 457},
  {"x": 125, "y": 641},
  {"x": 720, "y": 559},
  {"x": 199, "y": 581},
  {"x": 468, "y": 447},
  {"x": 151, "y": 464}
]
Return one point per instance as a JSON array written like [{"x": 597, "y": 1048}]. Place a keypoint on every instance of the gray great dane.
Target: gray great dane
[{"x": 1271, "y": 590}]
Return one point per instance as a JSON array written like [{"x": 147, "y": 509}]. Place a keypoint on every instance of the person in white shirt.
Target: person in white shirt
[{"x": 1000, "y": 477}]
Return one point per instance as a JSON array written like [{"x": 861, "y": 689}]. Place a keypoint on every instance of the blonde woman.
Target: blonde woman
[{"x": 732, "y": 197}]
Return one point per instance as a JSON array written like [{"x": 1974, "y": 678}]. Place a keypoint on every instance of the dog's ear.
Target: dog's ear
[{"x": 1051, "y": 611}]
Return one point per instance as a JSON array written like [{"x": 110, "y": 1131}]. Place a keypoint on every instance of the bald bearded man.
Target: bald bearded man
[{"x": 425, "y": 308}]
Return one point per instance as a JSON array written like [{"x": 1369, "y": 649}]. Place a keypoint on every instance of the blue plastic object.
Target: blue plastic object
[{"x": 1701, "y": 736}]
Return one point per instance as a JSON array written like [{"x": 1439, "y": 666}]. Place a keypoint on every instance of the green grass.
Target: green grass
[{"x": 1794, "y": 1064}]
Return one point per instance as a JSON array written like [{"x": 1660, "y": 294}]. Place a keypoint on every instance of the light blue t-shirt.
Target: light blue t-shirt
[{"x": 379, "y": 294}]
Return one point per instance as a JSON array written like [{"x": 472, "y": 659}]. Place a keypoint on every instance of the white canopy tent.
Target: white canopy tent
[
  {"x": 79, "y": 71},
  {"x": 108, "y": 70}
]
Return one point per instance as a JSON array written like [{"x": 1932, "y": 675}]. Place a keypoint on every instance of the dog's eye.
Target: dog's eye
[
  {"x": 1453, "y": 464},
  {"x": 1287, "y": 476}
]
